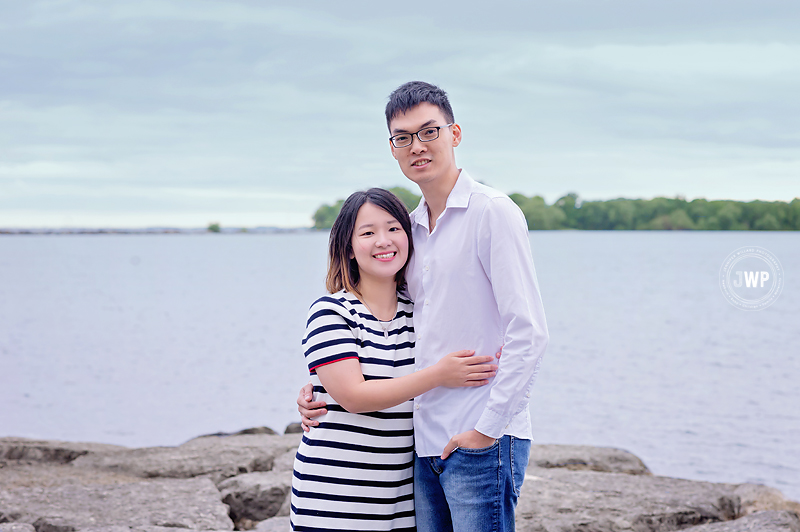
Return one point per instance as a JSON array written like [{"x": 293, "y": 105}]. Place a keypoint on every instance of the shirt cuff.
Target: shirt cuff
[{"x": 491, "y": 424}]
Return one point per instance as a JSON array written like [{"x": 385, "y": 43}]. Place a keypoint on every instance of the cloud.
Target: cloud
[{"x": 151, "y": 108}]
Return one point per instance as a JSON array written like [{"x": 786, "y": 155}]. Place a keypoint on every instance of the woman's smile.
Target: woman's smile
[{"x": 380, "y": 245}]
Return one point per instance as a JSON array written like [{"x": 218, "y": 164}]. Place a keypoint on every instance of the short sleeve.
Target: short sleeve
[{"x": 329, "y": 334}]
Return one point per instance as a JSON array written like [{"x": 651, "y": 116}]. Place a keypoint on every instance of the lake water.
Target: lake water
[{"x": 154, "y": 339}]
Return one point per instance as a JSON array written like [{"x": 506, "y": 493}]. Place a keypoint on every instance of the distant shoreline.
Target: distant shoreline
[
  {"x": 281, "y": 230},
  {"x": 151, "y": 231}
]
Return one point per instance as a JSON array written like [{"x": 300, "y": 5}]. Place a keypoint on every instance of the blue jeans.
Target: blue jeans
[{"x": 473, "y": 489}]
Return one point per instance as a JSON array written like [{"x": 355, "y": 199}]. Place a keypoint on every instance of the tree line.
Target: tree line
[{"x": 569, "y": 212}]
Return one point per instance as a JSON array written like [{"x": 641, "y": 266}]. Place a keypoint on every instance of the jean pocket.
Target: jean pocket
[{"x": 481, "y": 450}]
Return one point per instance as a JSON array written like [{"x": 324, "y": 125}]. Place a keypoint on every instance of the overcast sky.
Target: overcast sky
[{"x": 249, "y": 113}]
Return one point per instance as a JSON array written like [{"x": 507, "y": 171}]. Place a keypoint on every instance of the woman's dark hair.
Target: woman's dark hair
[{"x": 342, "y": 270}]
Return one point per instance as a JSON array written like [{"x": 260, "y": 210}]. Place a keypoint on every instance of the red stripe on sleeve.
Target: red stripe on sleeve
[{"x": 314, "y": 369}]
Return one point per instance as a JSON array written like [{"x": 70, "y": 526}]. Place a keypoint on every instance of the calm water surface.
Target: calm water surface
[{"x": 154, "y": 339}]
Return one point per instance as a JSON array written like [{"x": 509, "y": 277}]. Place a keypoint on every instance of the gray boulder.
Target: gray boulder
[
  {"x": 60, "y": 452},
  {"x": 17, "y": 527},
  {"x": 285, "y": 462},
  {"x": 255, "y": 496},
  {"x": 286, "y": 507},
  {"x": 217, "y": 458},
  {"x": 276, "y": 524},
  {"x": 84, "y": 487},
  {"x": 192, "y": 503},
  {"x": 253, "y": 430},
  {"x": 558, "y": 500},
  {"x": 137, "y": 529},
  {"x": 293, "y": 428},
  {"x": 757, "y": 498},
  {"x": 15, "y": 475},
  {"x": 120, "y": 528},
  {"x": 587, "y": 458},
  {"x": 767, "y": 521}
]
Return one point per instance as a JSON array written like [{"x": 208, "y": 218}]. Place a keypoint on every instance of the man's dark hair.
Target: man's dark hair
[{"x": 413, "y": 93}]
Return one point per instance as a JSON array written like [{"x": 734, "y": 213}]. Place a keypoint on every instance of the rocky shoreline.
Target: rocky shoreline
[{"x": 242, "y": 481}]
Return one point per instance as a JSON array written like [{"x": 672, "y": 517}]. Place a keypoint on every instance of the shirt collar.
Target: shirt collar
[{"x": 458, "y": 198}]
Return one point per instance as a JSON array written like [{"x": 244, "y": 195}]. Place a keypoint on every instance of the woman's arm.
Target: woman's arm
[{"x": 344, "y": 381}]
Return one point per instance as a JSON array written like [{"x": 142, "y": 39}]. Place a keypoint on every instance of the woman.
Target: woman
[{"x": 353, "y": 471}]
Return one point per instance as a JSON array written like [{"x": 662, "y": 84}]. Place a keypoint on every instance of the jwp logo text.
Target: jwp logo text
[{"x": 751, "y": 279}]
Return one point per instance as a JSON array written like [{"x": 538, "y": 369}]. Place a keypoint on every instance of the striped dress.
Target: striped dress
[{"x": 355, "y": 471}]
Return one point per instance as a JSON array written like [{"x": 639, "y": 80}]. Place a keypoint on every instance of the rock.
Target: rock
[
  {"x": 17, "y": 527},
  {"x": 276, "y": 524},
  {"x": 255, "y": 496},
  {"x": 756, "y": 498},
  {"x": 561, "y": 500},
  {"x": 29, "y": 450},
  {"x": 286, "y": 507},
  {"x": 48, "y": 474},
  {"x": 138, "y": 529},
  {"x": 285, "y": 462},
  {"x": 192, "y": 503},
  {"x": 293, "y": 428},
  {"x": 767, "y": 521},
  {"x": 217, "y": 458},
  {"x": 61, "y": 487},
  {"x": 254, "y": 430},
  {"x": 584, "y": 457}
]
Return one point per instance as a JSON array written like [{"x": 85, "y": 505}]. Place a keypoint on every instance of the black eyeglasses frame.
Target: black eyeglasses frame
[{"x": 438, "y": 132}]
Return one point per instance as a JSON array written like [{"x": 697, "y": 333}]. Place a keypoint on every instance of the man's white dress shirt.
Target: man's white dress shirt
[{"x": 474, "y": 287}]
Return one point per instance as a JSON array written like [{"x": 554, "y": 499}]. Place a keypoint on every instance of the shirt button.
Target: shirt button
[
  {"x": 416, "y": 405},
  {"x": 427, "y": 267},
  {"x": 427, "y": 301},
  {"x": 528, "y": 395},
  {"x": 419, "y": 336}
]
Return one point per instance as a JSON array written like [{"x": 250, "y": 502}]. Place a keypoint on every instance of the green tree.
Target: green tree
[
  {"x": 541, "y": 217},
  {"x": 569, "y": 205},
  {"x": 621, "y": 214},
  {"x": 410, "y": 199},
  {"x": 326, "y": 215},
  {"x": 677, "y": 219},
  {"x": 519, "y": 199},
  {"x": 213, "y": 227},
  {"x": 625, "y": 214},
  {"x": 729, "y": 216},
  {"x": 768, "y": 222},
  {"x": 592, "y": 215},
  {"x": 793, "y": 215}
]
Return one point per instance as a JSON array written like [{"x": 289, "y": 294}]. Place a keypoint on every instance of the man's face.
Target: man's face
[{"x": 425, "y": 162}]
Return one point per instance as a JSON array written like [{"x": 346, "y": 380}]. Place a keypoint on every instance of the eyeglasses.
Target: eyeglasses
[{"x": 426, "y": 134}]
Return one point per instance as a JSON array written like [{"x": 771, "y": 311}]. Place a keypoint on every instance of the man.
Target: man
[{"x": 473, "y": 284}]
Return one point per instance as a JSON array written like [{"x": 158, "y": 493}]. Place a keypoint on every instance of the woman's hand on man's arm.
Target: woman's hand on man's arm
[
  {"x": 309, "y": 409},
  {"x": 478, "y": 375}
]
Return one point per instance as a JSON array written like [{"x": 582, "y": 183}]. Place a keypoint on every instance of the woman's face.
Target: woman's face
[{"x": 380, "y": 246}]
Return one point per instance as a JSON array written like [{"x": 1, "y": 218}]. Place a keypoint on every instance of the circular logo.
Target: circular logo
[{"x": 751, "y": 278}]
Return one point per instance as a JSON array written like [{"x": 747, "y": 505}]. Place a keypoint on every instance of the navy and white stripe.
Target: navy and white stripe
[{"x": 355, "y": 471}]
